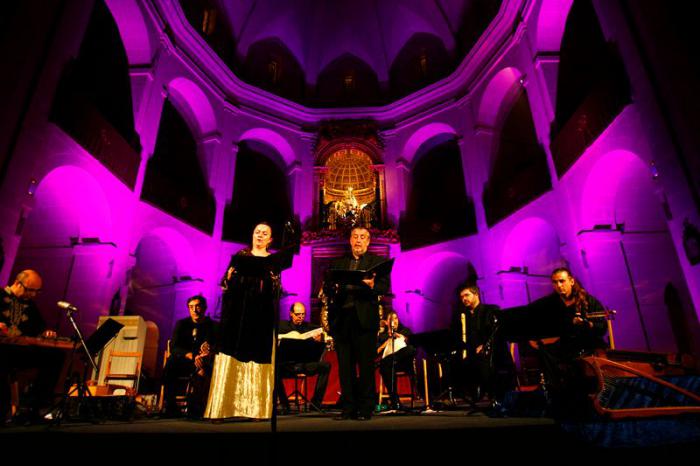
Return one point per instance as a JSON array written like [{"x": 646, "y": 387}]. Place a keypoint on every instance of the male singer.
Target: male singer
[
  {"x": 191, "y": 354},
  {"x": 354, "y": 322}
]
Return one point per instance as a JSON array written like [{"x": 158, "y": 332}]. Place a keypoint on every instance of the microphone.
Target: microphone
[
  {"x": 288, "y": 226},
  {"x": 67, "y": 306}
]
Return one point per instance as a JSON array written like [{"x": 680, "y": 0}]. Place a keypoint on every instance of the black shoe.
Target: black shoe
[
  {"x": 343, "y": 417},
  {"x": 364, "y": 417}
]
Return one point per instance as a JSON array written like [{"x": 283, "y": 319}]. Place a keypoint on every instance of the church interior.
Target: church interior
[{"x": 489, "y": 141}]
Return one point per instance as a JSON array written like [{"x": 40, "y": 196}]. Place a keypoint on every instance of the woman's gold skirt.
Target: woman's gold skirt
[{"x": 240, "y": 389}]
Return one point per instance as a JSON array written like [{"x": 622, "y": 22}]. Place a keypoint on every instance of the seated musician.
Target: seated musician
[
  {"x": 20, "y": 317},
  {"x": 288, "y": 367},
  {"x": 580, "y": 320},
  {"x": 486, "y": 365},
  {"x": 191, "y": 355},
  {"x": 395, "y": 353},
  {"x": 580, "y": 315}
]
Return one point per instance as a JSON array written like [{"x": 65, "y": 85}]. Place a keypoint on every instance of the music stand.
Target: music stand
[
  {"x": 93, "y": 345},
  {"x": 291, "y": 350},
  {"x": 300, "y": 351},
  {"x": 439, "y": 344}
]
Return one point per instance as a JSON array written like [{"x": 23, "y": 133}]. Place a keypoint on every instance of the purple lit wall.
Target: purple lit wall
[{"x": 155, "y": 261}]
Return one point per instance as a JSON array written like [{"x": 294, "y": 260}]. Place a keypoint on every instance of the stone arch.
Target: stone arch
[
  {"x": 532, "y": 243},
  {"x": 66, "y": 238},
  {"x": 264, "y": 158},
  {"x": 498, "y": 95},
  {"x": 272, "y": 139},
  {"x": 156, "y": 288},
  {"x": 551, "y": 21},
  {"x": 629, "y": 253},
  {"x": 133, "y": 30},
  {"x": 195, "y": 106},
  {"x": 439, "y": 275},
  {"x": 619, "y": 189},
  {"x": 422, "y": 135},
  {"x": 69, "y": 202}
]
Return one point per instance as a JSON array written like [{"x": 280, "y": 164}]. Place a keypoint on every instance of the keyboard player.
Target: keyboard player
[{"x": 20, "y": 317}]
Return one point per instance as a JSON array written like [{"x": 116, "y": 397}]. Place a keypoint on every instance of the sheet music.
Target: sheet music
[
  {"x": 294, "y": 335},
  {"x": 399, "y": 344}
]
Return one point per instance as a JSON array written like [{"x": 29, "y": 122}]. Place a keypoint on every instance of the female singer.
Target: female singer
[{"x": 243, "y": 374}]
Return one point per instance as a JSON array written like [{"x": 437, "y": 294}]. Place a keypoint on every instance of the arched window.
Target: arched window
[
  {"x": 438, "y": 207},
  {"x": 592, "y": 87},
  {"x": 519, "y": 173},
  {"x": 175, "y": 181},
  {"x": 347, "y": 82},
  {"x": 271, "y": 66},
  {"x": 260, "y": 193},
  {"x": 93, "y": 99}
]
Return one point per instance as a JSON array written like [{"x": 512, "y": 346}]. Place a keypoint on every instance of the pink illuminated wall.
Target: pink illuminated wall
[{"x": 628, "y": 176}]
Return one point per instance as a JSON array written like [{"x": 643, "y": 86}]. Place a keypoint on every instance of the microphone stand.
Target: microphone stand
[
  {"x": 392, "y": 335},
  {"x": 81, "y": 386}
]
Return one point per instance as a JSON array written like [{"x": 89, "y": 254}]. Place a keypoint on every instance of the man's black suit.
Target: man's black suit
[
  {"x": 353, "y": 317},
  {"x": 491, "y": 370},
  {"x": 188, "y": 337}
]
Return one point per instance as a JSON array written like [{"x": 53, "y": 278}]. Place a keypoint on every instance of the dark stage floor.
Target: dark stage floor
[{"x": 412, "y": 438}]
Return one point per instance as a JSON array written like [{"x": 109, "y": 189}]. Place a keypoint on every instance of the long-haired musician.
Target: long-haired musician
[{"x": 583, "y": 327}]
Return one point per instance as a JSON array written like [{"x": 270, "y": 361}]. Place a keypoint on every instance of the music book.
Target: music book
[
  {"x": 294, "y": 335},
  {"x": 389, "y": 349},
  {"x": 257, "y": 266},
  {"x": 355, "y": 277}
]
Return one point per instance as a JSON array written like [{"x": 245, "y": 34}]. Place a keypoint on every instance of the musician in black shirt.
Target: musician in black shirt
[
  {"x": 578, "y": 315},
  {"x": 191, "y": 356},
  {"x": 289, "y": 367},
  {"x": 20, "y": 317},
  {"x": 487, "y": 366},
  {"x": 578, "y": 319}
]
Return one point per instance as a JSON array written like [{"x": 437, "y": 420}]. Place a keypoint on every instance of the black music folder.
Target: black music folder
[
  {"x": 104, "y": 333},
  {"x": 300, "y": 350},
  {"x": 540, "y": 319},
  {"x": 255, "y": 266},
  {"x": 355, "y": 277},
  {"x": 435, "y": 342}
]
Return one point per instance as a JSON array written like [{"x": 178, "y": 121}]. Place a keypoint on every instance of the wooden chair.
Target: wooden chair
[
  {"x": 184, "y": 382},
  {"x": 403, "y": 396},
  {"x": 300, "y": 395},
  {"x": 132, "y": 375}
]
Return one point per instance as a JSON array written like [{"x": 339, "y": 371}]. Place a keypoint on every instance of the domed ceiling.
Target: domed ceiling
[{"x": 341, "y": 53}]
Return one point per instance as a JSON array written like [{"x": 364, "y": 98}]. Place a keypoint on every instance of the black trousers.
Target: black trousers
[
  {"x": 356, "y": 350},
  {"x": 178, "y": 372},
  {"x": 402, "y": 360},
  {"x": 475, "y": 376},
  {"x": 320, "y": 368},
  {"x": 47, "y": 362}
]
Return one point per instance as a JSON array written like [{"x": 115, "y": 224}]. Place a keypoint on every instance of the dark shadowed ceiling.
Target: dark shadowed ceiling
[{"x": 339, "y": 53}]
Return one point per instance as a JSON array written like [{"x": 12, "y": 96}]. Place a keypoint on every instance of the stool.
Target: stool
[{"x": 410, "y": 396}]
